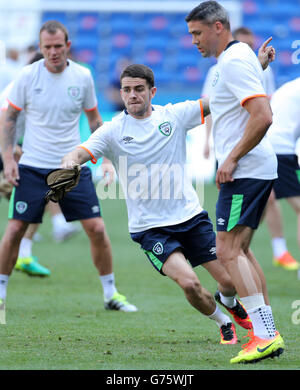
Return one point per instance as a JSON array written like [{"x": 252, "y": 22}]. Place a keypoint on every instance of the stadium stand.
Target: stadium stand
[{"x": 161, "y": 41}]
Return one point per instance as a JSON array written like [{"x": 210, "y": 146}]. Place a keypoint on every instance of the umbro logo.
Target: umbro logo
[
  {"x": 127, "y": 139},
  {"x": 212, "y": 250},
  {"x": 95, "y": 209},
  {"x": 221, "y": 221}
]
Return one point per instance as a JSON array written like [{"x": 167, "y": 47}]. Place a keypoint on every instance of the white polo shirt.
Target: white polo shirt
[
  {"x": 150, "y": 156},
  {"x": 52, "y": 103},
  {"x": 285, "y": 129},
  {"x": 238, "y": 78}
]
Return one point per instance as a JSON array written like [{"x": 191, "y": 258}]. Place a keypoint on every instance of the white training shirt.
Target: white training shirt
[
  {"x": 53, "y": 103},
  {"x": 285, "y": 129},
  {"x": 238, "y": 78},
  {"x": 268, "y": 81},
  {"x": 150, "y": 156}
]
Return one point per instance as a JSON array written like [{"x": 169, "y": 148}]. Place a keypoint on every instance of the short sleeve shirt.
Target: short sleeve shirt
[
  {"x": 150, "y": 159},
  {"x": 52, "y": 103},
  {"x": 239, "y": 77}
]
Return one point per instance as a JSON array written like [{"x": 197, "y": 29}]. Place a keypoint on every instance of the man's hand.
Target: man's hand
[
  {"x": 11, "y": 171},
  {"x": 266, "y": 54},
  {"x": 68, "y": 164},
  {"x": 224, "y": 173},
  {"x": 108, "y": 171}
]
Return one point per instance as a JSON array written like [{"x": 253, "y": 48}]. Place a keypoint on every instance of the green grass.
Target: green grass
[{"x": 59, "y": 323}]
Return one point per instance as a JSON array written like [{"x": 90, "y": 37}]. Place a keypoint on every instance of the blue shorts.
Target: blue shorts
[
  {"x": 27, "y": 200},
  {"x": 242, "y": 202},
  {"x": 195, "y": 238},
  {"x": 288, "y": 182}
]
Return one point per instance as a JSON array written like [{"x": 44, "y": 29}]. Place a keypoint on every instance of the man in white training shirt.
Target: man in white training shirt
[
  {"x": 53, "y": 92},
  {"x": 147, "y": 145},
  {"x": 283, "y": 135},
  {"x": 242, "y": 34},
  {"x": 247, "y": 167},
  {"x": 61, "y": 229}
]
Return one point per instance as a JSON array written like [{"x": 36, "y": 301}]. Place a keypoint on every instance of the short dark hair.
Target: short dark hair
[
  {"x": 38, "y": 56},
  {"x": 242, "y": 30},
  {"x": 139, "y": 71},
  {"x": 51, "y": 26},
  {"x": 209, "y": 12}
]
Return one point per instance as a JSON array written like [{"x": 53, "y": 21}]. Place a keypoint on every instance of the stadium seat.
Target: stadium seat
[{"x": 161, "y": 40}]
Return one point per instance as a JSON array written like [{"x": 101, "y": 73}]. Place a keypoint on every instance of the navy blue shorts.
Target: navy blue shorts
[
  {"x": 27, "y": 200},
  {"x": 195, "y": 238},
  {"x": 288, "y": 182},
  {"x": 242, "y": 202}
]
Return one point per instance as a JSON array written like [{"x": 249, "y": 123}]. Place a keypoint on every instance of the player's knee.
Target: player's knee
[
  {"x": 96, "y": 230},
  {"x": 15, "y": 230},
  {"x": 226, "y": 254},
  {"x": 191, "y": 285}
]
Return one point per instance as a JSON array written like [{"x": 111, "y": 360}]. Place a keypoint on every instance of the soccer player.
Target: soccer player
[
  {"x": 283, "y": 135},
  {"x": 53, "y": 92},
  {"x": 147, "y": 145},
  {"x": 247, "y": 167},
  {"x": 242, "y": 34}
]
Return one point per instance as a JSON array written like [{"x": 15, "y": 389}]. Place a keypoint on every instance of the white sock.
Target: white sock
[
  {"x": 108, "y": 285},
  {"x": 219, "y": 317},
  {"x": 279, "y": 246},
  {"x": 228, "y": 301},
  {"x": 262, "y": 321},
  {"x": 25, "y": 249},
  {"x": 58, "y": 221},
  {"x": 271, "y": 319},
  {"x": 260, "y": 315},
  {"x": 3, "y": 285}
]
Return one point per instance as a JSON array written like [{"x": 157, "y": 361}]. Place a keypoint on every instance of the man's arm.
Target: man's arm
[
  {"x": 7, "y": 135},
  {"x": 77, "y": 156},
  {"x": 258, "y": 123},
  {"x": 94, "y": 119}
]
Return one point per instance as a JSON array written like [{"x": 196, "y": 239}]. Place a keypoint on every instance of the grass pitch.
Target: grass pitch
[{"x": 59, "y": 323}]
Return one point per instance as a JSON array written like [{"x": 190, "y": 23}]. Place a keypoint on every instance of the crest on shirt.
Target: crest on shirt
[
  {"x": 165, "y": 128},
  {"x": 158, "y": 248},
  {"x": 73, "y": 92},
  {"x": 215, "y": 79}
]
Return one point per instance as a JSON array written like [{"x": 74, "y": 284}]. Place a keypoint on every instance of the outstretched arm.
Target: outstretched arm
[{"x": 77, "y": 156}]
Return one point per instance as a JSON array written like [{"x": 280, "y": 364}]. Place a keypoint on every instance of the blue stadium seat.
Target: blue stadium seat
[{"x": 161, "y": 40}]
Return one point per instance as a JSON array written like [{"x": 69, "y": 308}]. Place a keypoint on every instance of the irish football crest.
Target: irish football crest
[
  {"x": 158, "y": 248},
  {"x": 165, "y": 128},
  {"x": 73, "y": 92},
  {"x": 21, "y": 207}
]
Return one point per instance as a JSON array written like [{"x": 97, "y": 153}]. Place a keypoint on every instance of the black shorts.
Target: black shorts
[
  {"x": 242, "y": 202},
  {"x": 27, "y": 200},
  {"x": 288, "y": 182},
  {"x": 195, "y": 238}
]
